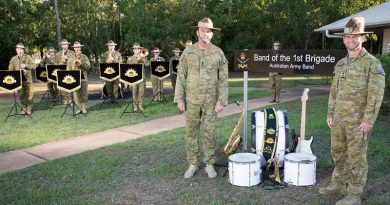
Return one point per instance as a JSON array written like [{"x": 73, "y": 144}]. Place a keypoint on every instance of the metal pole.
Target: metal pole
[{"x": 245, "y": 111}]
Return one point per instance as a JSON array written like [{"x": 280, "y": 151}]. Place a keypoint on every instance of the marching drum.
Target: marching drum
[
  {"x": 244, "y": 169},
  {"x": 258, "y": 133},
  {"x": 300, "y": 169}
]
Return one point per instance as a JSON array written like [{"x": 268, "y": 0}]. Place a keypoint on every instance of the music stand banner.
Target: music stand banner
[
  {"x": 11, "y": 80},
  {"x": 41, "y": 74},
  {"x": 52, "y": 72},
  {"x": 160, "y": 69},
  {"x": 109, "y": 71},
  {"x": 69, "y": 80},
  {"x": 174, "y": 66},
  {"x": 131, "y": 74}
]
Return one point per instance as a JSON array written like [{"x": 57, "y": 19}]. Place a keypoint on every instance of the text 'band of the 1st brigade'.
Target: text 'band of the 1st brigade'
[{"x": 288, "y": 62}]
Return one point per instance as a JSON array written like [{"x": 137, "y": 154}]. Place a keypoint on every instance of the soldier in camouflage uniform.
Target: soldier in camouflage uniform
[
  {"x": 176, "y": 56},
  {"x": 62, "y": 57},
  {"x": 139, "y": 89},
  {"x": 157, "y": 84},
  {"x": 80, "y": 62},
  {"x": 188, "y": 43},
  {"x": 112, "y": 56},
  {"x": 354, "y": 101},
  {"x": 201, "y": 92},
  {"x": 275, "y": 78},
  {"x": 48, "y": 59},
  {"x": 24, "y": 63}
]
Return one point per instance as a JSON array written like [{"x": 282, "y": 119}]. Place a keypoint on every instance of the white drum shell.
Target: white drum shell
[
  {"x": 244, "y": 169},
  {"x": 300, "y": 169}
]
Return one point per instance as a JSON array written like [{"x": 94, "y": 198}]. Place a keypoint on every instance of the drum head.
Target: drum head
[
  {"x": 244, "y": 157},
  {"x": 297, "y": 157}
]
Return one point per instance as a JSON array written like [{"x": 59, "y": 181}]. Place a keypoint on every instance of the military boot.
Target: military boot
[
  {"x": 350, "y": 200},
  {"x": 28, "y": 110},
  {"x": 23, "y": 111},
  {"x": 331, "y": 189},
  {"x": 210, "y": 171},
  {"x": 84, "y": 109},
  {"x": 190, "y": 171},
  {"x": 277, "y": 98},
  {"x": 135, "y": 107},
  {"x": 273, "y": 98},
  {"x": 141, "y": 105}
]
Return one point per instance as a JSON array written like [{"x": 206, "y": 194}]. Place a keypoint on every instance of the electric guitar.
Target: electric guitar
[{"x": 303, "y": 144}]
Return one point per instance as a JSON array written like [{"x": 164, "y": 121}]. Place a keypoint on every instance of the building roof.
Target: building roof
[{"x": 377, "y": 16}]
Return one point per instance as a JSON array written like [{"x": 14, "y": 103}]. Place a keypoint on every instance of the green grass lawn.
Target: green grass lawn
[
  {"x": 47, "y": 126},
  {"x": 150, "y": 170}
]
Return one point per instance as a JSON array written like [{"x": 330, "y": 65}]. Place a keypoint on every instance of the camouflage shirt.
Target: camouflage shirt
[
  {"x": 15, "y": 62},
  {"x": 115, "y": 54},
  {"x": 202, "y": 76},
  {"x": 59, "y": 58},
  {"x": 357, "y": 89},
  {"x": 85, "y": 65},
  {"x": 47, "y": 61}
]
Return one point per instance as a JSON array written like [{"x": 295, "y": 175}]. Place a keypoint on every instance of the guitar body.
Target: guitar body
[{"x": 304, "y": 146}]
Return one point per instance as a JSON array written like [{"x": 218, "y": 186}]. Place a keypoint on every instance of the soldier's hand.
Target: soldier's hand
[
  {"x": 181, "y": 106},
  {"x": 365, "y": 127},
  {"x": 218, "y": 107},
  {"x": 22, "y": 66},
  {"x": 329, "y": 121}
]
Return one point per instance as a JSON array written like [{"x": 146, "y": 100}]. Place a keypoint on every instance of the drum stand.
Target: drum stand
[
  {"x": 72, "y": 105},
  {"x": 15, "y": 106},
  {"x": 132, "y": 108}
]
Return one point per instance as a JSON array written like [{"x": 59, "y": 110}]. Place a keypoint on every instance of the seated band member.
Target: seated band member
[
  {"x": 80, "y": 62},
  {"x": 112, "y": 56},
  {"x": 176, "y": 56},
  {"x": 48, "y": 59},
  {"x": 24, "y": 63},
  {"x": 139, "y": 89},
  {"x": 157, "y": 84}
]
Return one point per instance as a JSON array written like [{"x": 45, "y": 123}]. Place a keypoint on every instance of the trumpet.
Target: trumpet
[
  {"x": 77, "y": 61},
  {"x": 64, "y": 58},
  {"x": 144, "y": 52}
]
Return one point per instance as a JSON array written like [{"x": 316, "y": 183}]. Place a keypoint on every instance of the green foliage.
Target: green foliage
[{"x": 385, "y": 60}]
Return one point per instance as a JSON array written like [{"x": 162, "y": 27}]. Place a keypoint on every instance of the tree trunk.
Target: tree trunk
[{"x": 59, "y": 35}]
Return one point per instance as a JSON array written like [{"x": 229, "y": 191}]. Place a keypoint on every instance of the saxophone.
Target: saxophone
[
  {"x": 235, "y": 138},
  {"x": 77, "y": 61}
]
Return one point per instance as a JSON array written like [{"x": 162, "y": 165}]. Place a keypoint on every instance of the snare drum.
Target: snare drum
[
  {"x": 300, "y": 169},
  {"x": 244, "y": 169}
]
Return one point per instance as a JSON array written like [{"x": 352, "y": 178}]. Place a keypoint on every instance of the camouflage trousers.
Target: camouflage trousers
[
  {"x": 112, "y": 89},
  {"x": 349, "y": 152},
  {"x": 26, "y": 94},
  {"x": 173, "y": 81},
  {"x": 80, "y": 96},
  {"x": 138, "y": 93},
  {"x": 53, "y": 90},
  {"x": 275, "y": 81},
  {"x": 200, "y": 118},
  {"x": 158, "y": 87}
]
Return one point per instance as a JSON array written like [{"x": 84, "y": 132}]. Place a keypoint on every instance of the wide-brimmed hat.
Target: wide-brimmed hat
[
  {"x": 136, "y": 45},
  {"x": 51, "y": 49},
  {"x": 206, "y": 23},
  {"x": 111, "y": 43},
  {"x": 176, "y": 50},
  {"x": 64, "y": 41},
  {"x": 77, "y": 44},
  {"x": 19, "y": 45},
  {"x": 156, "y": 50},
  {"x": 355, "y": 26},
  {"x": 276, "y": 43}
]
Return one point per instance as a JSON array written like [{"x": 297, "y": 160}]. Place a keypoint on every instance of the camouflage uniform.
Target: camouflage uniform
[
  {"x": 275, "y": 81},
  {"x": 139, "y": 89},
  {"x": 51, "y": 86},
  {"x": 113, "y": 86},
  {"x": 59, "y": 60},
  {"x": 355, "y": 97},
  {"x": 202, "y": 82},
  {"x": 26, "y": 93},
  {"x": 173, "y": 75},
  {"x": 157, "y": 84},
  {"x": 80, "y": 96}
]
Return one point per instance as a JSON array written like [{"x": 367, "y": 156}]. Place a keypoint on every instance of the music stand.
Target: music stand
[
  {"x": 174, "y": 66},
  {"x": 12, "y": 81},
  {"x": 41, "y": 74},
  {"x": 160, "y": 69},
  {"x": 108, "y": 72},
  {"x": 132, "y": 74},
  {"x": 69, "y": 81},
  {"x": 52, "y": 77}
]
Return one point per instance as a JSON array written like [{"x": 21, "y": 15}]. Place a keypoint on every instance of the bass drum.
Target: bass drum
[{"x": 258, "y": 133}]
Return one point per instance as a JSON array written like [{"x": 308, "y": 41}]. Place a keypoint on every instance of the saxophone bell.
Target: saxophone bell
[{"x": 234, "y": 140}]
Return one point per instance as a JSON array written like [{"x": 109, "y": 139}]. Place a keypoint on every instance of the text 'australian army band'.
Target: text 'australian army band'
[{"x": 76, "y": 60}]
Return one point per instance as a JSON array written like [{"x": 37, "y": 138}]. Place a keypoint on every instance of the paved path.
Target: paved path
[{"x": 19, "y": 159}]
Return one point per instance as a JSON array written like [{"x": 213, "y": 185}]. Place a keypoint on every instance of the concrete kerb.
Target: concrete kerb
[{"x": 19, "y": 159}]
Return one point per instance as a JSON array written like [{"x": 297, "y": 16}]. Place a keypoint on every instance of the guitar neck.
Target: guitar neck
[{"x": 303, "y": 120}]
